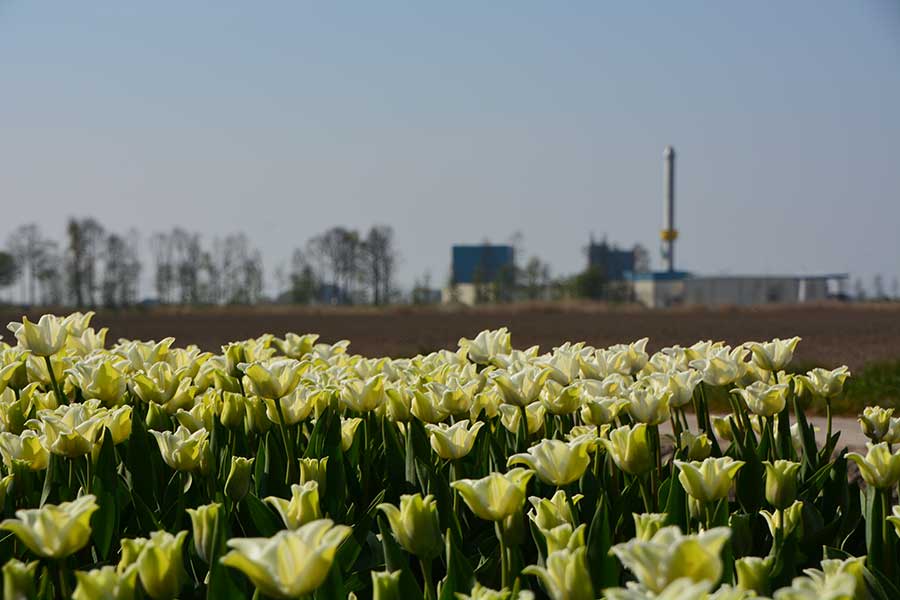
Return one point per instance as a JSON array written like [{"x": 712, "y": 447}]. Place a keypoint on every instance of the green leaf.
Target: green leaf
[
  {"x": 460, "y": 576},
  {"x": 265, "y": 521},
  {"x": 599, "y": 541}
]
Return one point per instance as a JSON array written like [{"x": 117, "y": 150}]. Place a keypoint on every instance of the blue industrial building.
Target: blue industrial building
[{"x": 482, "y": 263}]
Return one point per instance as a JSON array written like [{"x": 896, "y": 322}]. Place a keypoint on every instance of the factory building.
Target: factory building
[
  {"x": 480, "y": 273},
  {"x": 664, "y": 289}
]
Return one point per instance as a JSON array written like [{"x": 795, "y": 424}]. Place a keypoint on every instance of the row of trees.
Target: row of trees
[
  {"x": 95, "y": 267},
  {"x": 91, "y": 267}
]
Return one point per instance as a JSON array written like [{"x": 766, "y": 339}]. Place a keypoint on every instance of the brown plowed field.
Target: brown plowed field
[{"x": 832, "y": 334}]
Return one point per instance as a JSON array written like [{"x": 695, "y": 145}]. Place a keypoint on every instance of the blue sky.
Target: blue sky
[{"x": 465, "y": 121}]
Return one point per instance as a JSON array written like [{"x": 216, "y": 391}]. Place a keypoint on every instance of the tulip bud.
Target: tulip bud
[
  {"x": 696, "y": 447},
  {"x": 238, "y": 483},
  {"x": 647, "y": 524},
  {"x": 348, "y": 432},
  {"x": 753, "y": 574},
  {"x": 233, "y": 409},
  {"x": 629, "y": 448},
  {"x": 566, "y": 575},
  {"x": 781, "y": 483},
  {"x": 792, "y": 517},
  {"x": 314, "y": 469},
  {"x": 564, "y": 537},
  {"x": 226, "y": 384},
  {"x": 415, "y": 525},
  {"x": 18, "y": 579},
  {"x": 880, "y": 468},
  {"x": 131, "y": 551},
  {"x": 875, "y": 422},
  {"x": 386, "y": 585},
  {"x": 255, "y": 418},
  {"x": 551, "y": 513},
  {"x": 160, "y": 565},
  {"x": 157, "y": 419},
  {"x": 302, "y": 508},
  {"x": 105, "y": 583},
  {"x": 204, "y": 520},
  {"x": 118, "y": 422}
]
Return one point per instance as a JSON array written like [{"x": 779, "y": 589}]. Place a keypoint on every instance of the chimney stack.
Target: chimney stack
[{"x": 669, "y": 234}]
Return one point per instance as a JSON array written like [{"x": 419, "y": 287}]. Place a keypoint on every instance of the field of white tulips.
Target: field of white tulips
[{"x": 290, "y": 468}]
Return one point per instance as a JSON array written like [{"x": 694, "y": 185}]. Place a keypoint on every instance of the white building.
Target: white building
[{"x": 676, "y": 288}]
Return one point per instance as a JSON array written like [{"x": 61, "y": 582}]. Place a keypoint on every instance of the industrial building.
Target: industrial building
[
  {"x": 662, "y": 289},
  {"x": 480, "y": 273}
]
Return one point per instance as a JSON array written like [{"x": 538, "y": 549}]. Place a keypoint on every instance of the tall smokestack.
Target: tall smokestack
[{"x": 669, "y": 234}]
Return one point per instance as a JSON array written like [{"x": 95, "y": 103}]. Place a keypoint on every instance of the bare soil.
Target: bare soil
[{"x": 833, "y": 334}]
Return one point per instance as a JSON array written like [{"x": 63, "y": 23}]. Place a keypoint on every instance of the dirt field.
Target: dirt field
[{"x": 832, "y": 334}]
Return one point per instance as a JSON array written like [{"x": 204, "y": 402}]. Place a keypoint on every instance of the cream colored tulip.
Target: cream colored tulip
[
  {"x": 696, "y": 446},
  {"x": 710, "y": 479},
  {"x": 523, "y": 387},
  {"x": 363, "y": 396},
  {"x": 273, "y": 379},
  {"x": 556, "y": 462},
  {"x": 497, "y": 496},
  {"x": 646, "y": 405},
  {"x": 415, "y": 525},
  {"x": 775, "y": 355},
  {"x": 879, "y": 467},
  {"x": 646, "y": 525},
  {"x": 160, "y": 564},
  {"x": 601, "y": 411},
  {"x": 511, "y": 416},
  {"x": 824, "y": 383},
  {"x": 670, "y": 555},
  {"x": 722, "y": 366},
  {"x": 295, "y": 407},
  {"x": 566, "y": 575},
  {"x": 27, "y": 449},
  {"x": 629, "y": 448},
  {"x": 876, "y": 422},
  {"x": 44, "y": 338},
  {"x": 19, "y": 580},
  {"x": 183, "y": 450},
  {"x": 764, "y": 399},
  {"x": 487, "y": 345},
  {"x": 793, "y": 516},
  {"x": 105, "y": 583},
  {"x": 307, "y": 553},
  {"x": 781, "y": 482},
  {"x": 547, "y": 514},
  {"x": 204, "y": 522},
  {"x": 454, "y": 441},
  {"x": 54, "y": 531},
  {"x": 237, "y": 485},
  {"x": 302, "y": 508},
  {"x": 101, "y": 378}
]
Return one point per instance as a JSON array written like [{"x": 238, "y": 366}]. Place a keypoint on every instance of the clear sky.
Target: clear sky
[{"x": 457, "y": 122}]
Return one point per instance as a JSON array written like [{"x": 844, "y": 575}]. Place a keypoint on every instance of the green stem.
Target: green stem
[
  {"x": 56, "y": 391},
  {"x": 288, "y": 442},
  {"x": 504, "y": 558},
  {"x": 64, "y": 590},
  {"x": 430, "y": 591}
]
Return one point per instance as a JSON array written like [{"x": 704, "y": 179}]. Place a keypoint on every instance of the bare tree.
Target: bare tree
[
  {"x": 86, "y": 237},
  {"x": 26, "y": 246},
  {"x": 379, "y": 258}
]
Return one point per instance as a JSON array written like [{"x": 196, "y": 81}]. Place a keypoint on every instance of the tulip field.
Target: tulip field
[{"x": 287, "y": 467}]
